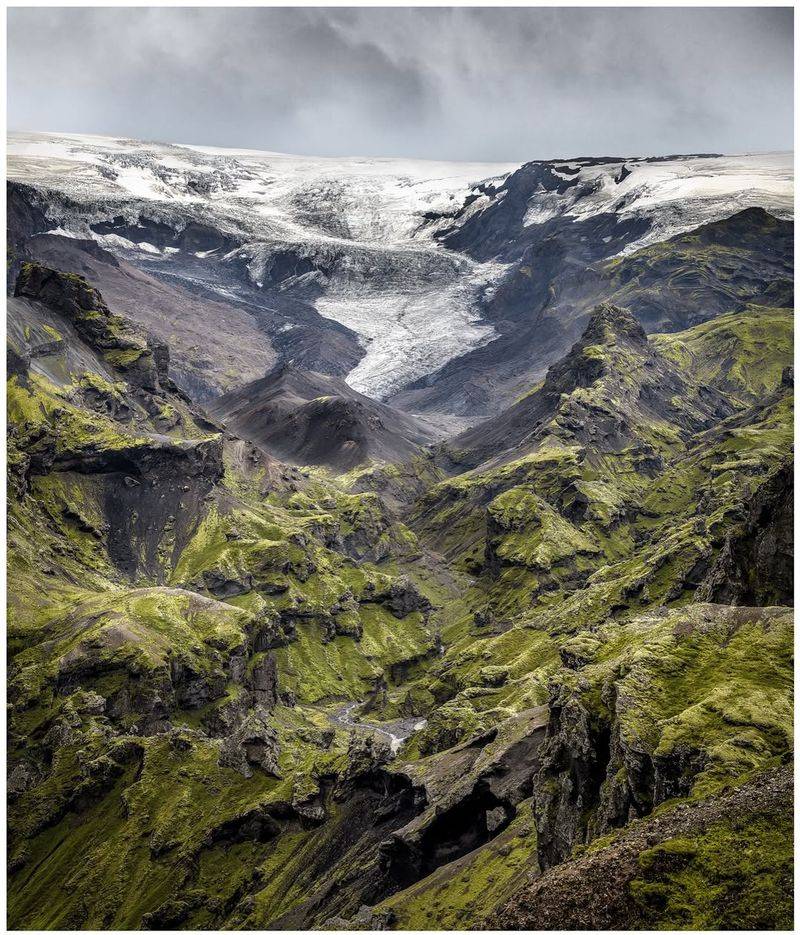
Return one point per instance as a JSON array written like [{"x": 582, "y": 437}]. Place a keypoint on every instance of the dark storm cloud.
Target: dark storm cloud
[{"x": 456, "y": 83}]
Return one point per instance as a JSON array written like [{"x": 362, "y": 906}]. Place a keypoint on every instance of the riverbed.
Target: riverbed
[{"x": 395, "y": 732}]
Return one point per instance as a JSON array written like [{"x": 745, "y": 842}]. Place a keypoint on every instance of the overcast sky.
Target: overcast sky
[{"x": 459, "y": 83}]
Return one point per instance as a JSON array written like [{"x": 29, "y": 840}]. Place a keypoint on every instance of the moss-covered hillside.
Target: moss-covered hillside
[{"x": 538, "y": 676}]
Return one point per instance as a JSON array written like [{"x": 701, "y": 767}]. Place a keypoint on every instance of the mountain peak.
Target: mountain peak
[
  {"x": 612, "y": 339},
  {"x": 605, "y": 393},
  {"x": 609, "y": 322}
]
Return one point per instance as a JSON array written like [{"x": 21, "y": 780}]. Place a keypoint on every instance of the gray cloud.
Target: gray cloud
[{"x": 455, "y": 83}]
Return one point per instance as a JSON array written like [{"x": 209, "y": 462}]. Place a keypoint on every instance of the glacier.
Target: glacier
[{"x": 364, "y": 234}]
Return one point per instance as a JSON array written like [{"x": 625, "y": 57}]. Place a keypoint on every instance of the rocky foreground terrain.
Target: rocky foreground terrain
[{"x": 286, "y": 652}]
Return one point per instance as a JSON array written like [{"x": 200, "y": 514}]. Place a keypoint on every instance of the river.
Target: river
[{"x": 395, "y": 731}]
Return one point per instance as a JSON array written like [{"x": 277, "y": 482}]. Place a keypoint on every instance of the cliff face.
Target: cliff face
[
  {"x": 756, "y": 563},
  {"x": 620, "y": 740},
  {"x": 654, "y": 871},
  {"x": 143, "y": 359}
]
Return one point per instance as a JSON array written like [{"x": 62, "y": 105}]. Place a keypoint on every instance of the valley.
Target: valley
[{"x": 398, "y": 545}]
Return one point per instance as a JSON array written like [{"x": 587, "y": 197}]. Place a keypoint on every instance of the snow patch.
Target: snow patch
[{"x": 62, "y": 232}]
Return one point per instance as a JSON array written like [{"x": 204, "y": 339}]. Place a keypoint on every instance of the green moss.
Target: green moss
[
  {"x": 534, "y": 534},
  {"x": 744, "y": 352},
  {"x": 26, "y": 405},
  {"x": 703, "y": 681},
  {"x": 119, "y": 636},
  {"x": 315, "y": 670},
  {"x": 39, "y": 405},
  {"x": 737, "y": 875},
  {"x": 178, "y": 795},
  {"x": 126, "y": 357},
  {"x": 96, "y": 382}
]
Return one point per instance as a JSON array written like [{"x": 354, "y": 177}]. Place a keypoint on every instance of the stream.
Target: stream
[{"x": 396, "y": 731}]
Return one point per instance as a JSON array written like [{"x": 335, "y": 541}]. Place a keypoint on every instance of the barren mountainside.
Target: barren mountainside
[{"x": 398, "y": 545}]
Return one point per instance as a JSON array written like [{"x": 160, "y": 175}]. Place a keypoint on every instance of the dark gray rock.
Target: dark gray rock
[{"x": 756, "y": 563}]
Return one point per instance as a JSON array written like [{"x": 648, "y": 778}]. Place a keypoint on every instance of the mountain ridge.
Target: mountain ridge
[{"x": 310, "y": 418}]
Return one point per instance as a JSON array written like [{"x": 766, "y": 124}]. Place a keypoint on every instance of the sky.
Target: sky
[{"x": 471, "y": 84}]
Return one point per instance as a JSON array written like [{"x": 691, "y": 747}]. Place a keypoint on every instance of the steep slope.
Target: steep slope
[
  {"x": 742, "y": 354},
  {"x": 654, "y": 873},
  {"x": 611, "y": 391},
  {"x": 719, "y": 267},
  {"x": 246, "y": 338},
  {"x": 610, "y": 420},
  {"x": 309, "y": 418}
]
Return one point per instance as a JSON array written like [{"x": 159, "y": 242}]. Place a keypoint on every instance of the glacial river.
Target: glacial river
[{"x": 395, "y": 731}]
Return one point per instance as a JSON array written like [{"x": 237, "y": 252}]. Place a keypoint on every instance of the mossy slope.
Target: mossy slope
[{"x": 188, "y": 618}]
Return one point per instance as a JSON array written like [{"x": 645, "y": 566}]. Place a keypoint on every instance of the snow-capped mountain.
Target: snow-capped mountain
[{"x": 387, "y": 272}]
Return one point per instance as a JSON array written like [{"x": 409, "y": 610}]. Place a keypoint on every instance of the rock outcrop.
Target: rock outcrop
[
  {"x": 621, "y": 740},
  {"x": 642, "y": 876},
  {"x": 756, "y": 563},
  {"x": 143, "y": 359}
]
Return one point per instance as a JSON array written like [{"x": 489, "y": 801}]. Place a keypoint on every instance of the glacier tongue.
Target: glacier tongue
[
  {"x": 413, "y": 332},
  {"x": 412, "y": 304},
  {"x": 360, "y": 223}
]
